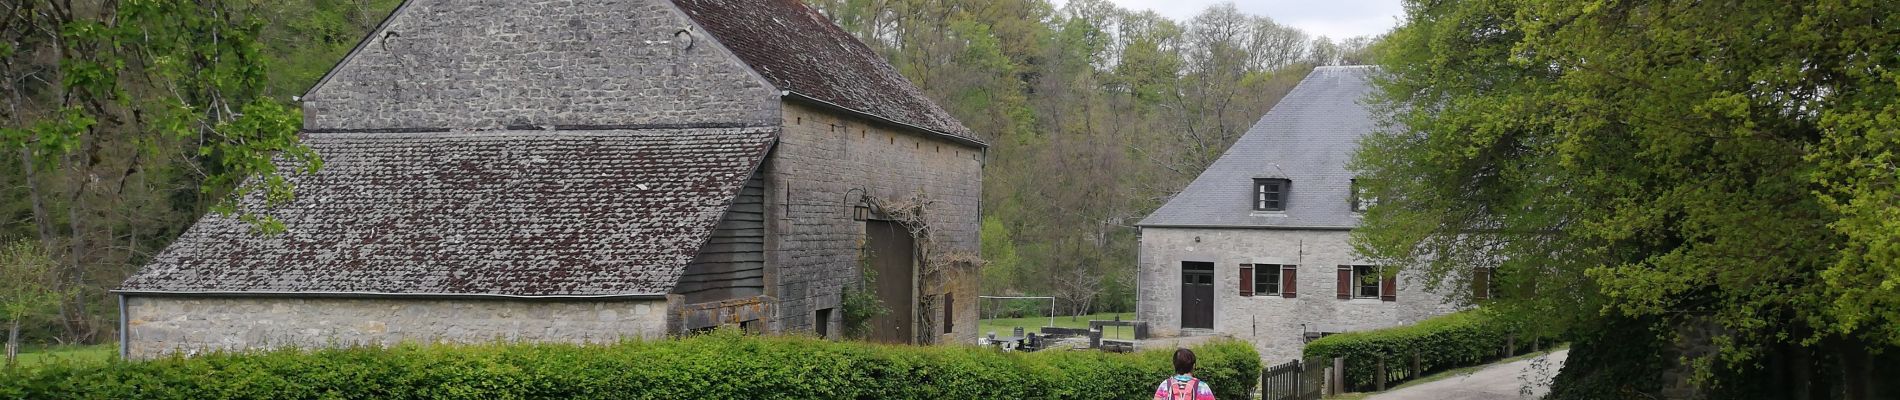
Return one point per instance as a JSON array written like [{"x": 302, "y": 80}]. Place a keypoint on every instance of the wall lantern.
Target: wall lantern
[{"x": 861, "y": 210}]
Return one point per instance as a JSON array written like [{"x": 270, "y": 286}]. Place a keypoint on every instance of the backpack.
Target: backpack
[{"x": 1178, "y": 390}]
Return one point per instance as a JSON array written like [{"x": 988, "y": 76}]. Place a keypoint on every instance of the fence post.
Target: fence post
[
  {"x": 1299, "y": 377},
  {"x": 1337, "y": 377},
  {"x": 1380, "y": 379},
  {"x": 1416, "y": 372}
]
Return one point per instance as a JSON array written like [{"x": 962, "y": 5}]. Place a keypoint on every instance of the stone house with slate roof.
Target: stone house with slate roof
[
  {"x": 585, "y": 172},
  {"x": 1257, "y": 246}
]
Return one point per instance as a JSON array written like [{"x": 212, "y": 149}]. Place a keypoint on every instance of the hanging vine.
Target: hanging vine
[{"x": 937, "y": 260}]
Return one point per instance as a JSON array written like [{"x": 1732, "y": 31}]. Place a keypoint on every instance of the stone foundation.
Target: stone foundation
[{"x": 192, "y": 325}]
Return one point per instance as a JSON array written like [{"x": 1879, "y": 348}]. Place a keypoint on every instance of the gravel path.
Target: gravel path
[{"x": 1497, "y": 382}]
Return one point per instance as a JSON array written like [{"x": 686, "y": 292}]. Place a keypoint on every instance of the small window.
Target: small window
[
  {"x": 1266, "y": 280},
  {"x": 821, "y": 322},
  {"x": 949, "y": 312},
  {"x": 1270, "y": 194},
  {"x": 1360, "y": 200},
  {"x": 1366, "y": 280}
]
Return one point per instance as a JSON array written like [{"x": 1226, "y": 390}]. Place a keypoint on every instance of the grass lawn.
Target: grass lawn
[
  {"x": 35, "y": 356},
  {"x": 1003, "y": 326}
]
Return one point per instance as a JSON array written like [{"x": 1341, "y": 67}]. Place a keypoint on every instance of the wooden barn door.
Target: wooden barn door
[
  {"x": 893, "y": 254},
  {"x": 1197, "y": 295}
]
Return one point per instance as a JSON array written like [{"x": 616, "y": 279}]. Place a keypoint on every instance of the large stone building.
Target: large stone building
[
  {"x": 1257, "y": 246},
  {"x": 586, "y": 172}
]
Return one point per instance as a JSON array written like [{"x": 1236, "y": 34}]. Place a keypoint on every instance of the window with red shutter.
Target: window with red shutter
[
  {"x": 1389, "y": 289},
  {"x": 1246, "y": 280},
  {"x": 1345, "y": 282},
  {"x": 1289, "y": 279}
]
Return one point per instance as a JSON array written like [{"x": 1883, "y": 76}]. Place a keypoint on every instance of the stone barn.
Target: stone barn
[
  {"x": 587, "y": 172},
  {"x": 1257, "y": 246}
]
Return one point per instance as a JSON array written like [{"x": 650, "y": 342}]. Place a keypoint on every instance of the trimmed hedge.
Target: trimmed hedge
[
  {"x": 1448, "y": 341},
  {"x": 721, "y": 365}
]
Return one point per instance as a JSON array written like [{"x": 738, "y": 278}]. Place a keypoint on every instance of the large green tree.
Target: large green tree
[
  {"x": 1724, "y": 167},
  {"x": 122, "y": 121}
]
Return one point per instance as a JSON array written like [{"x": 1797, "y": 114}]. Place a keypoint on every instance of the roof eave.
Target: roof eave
[
  {"x": 803, "y": 98},
  {"x": 1253, "y": 227},
  {"x": 382, "y": 295}
]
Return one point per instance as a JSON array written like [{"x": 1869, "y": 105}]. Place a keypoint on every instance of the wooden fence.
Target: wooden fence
[{"x": 1294, "y": 380}]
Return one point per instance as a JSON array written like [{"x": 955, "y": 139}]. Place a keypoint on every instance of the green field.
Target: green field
[
  {"x": 35, "y": 356},
  {"x": 1003, "y": 326}
]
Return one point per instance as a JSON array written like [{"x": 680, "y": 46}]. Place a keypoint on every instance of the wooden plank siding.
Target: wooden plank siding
[{"x": 732, "y": 263}]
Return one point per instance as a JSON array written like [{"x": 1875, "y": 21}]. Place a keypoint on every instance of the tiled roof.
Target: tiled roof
[
  {"x": 1307, "y": 138},
  {"x": 511, "y": 213},
  {"x": 801, "y": 51}
]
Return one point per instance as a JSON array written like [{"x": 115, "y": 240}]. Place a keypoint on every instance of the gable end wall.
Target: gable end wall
[
  {"x": 484, "y": 64},
  {"x": 820, "y": 158}
]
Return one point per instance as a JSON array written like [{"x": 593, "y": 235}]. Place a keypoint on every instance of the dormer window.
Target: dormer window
[
  {"x": 1270, "y": 194},
  {"x": 1360, "y": 200}
]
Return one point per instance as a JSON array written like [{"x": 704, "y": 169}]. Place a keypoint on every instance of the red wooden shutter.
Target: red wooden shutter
[
  {"x": 1289, "y": 281},
  {"x": 1246, "y": 280},
  {"x": 1481, "y": 283},
  {"x": 1345, "y": 282},
  {"x": 1389, "y": 289}
]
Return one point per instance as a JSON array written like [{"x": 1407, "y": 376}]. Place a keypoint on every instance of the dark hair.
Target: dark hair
[{"x": 1183, "y": 361}]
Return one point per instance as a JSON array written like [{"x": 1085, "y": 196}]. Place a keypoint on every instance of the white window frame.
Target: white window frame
[{"x": 1359, "y": 279}]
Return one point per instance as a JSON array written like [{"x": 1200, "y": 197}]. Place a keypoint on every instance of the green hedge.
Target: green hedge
[
  {"x": 1444, "y": 342},
  {"x": 716, "y": 366}
]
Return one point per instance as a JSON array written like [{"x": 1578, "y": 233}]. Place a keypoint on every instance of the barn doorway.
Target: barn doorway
[
  {"x": 893, "y": 259},
  {"x": 1197, "y": 295}
]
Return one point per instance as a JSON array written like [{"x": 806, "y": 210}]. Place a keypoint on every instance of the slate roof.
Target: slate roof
[
  {"x": 1307, "y": 138},
  {"x": 801, "y": 51},
  {"x": 504, "y": 213}
]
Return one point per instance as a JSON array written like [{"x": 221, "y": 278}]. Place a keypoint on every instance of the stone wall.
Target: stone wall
[
  {"x": 811, "y": 176},
  {"x": 1272, "y": 323},
  {"x": 161, "y": 325},
  {"x": 478, "y": 64}
]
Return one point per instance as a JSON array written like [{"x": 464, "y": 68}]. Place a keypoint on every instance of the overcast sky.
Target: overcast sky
[{"x": 1337, "y": 19}]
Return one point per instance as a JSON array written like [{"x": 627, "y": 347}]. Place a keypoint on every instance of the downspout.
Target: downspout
[{"x": 124, "y": 348}]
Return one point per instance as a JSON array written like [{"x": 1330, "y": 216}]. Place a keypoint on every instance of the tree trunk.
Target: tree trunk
[
  {"x": 13, "y": 343},
  {"x": 78, "y": 327},
  {"x": 41, "y": 219}
]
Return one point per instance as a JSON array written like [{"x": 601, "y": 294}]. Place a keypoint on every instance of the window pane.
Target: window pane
[
  {"x": 1266, "y": 279},
  {"x": 1367, "y": 278}
]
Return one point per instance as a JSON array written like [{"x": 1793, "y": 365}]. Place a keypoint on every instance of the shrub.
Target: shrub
[
  {"x": 722, "y": 365},
  {"x": 1447, "y": 341}
]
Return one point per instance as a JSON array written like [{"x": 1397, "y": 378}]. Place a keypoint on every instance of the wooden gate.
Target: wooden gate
[
  {"x": 1197, "y": 295},
  {"x": 1292, "y": 381}
]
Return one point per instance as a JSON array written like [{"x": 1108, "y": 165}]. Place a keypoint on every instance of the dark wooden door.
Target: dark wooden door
[
  {"x": 1197, "y": 295},
  {"x": 893, "y": 254}
]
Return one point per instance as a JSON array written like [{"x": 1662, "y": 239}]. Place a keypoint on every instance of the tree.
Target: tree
[
  {"x": 122, "y": 122},
  {"x": 1654, "y": 160},
  {"x": 29, "y": 290}
]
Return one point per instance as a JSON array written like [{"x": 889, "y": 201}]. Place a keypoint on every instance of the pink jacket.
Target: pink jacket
[{"x": 1183, "y": 387}]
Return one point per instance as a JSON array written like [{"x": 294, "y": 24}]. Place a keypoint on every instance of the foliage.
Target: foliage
[
  {"x": 124, "y": 121},
  {"x": 721, "y": 365},
  {"x": 860, "y": 303},
  {"x": 28, "y": 291},
  {"x": 1613, "y": 358},
  {"x": 1447, "y": 341},
  {"x": 1658, "y": 160}
]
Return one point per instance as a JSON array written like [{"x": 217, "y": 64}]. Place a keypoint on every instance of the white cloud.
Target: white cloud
[{"x": 1337, "y": 19}]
